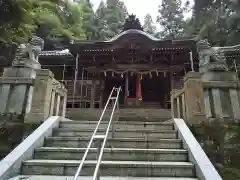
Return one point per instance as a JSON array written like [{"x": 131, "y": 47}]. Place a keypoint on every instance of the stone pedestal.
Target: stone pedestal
[
  {"x": 27, "y": 92},
  {"x": 194, "y": 97},
  {"x": 41, "y": 97},
  {"x": 16, "y": 88}
]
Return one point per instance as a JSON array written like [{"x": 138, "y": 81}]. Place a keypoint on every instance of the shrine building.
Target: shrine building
[{"x": 145, "y": 67}]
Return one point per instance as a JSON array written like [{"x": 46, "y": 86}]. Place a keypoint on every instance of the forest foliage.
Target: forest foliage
[{"x": 57, "y": 21}]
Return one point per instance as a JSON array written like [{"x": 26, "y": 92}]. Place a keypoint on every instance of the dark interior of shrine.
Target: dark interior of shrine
[
  {"x": 111, "y": 82},
  {"x": 155, "y": 89}
]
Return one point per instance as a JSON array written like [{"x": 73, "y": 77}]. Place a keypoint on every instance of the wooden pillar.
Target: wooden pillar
[
  {"x": 93, "y": 93},
  {"x": 126, "y": 88},
  {"x": 137, "y": 89},
  {"x": 171, "y": 79},
  {"x": 64, "y": 105},
  {"x": 102, "y": 85}
]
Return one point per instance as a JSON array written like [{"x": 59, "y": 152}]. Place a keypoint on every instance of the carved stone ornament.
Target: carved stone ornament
[
  {"x": 211, "y": 58},
  {"x": 27, "y": 54}
]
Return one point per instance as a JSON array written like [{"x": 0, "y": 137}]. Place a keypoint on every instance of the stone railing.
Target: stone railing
[
  {"x": 188, "y": 102},
  {"x": 49, "y": 97},
  {"x": 178, "y": 103},
  {"x": 222, "y": 99},
  {"x": 209, "y": 95},
  {"x": 204, "y": 168},
  {"x": 11, "y": 165},
  {"x": 36, "y": 97}
]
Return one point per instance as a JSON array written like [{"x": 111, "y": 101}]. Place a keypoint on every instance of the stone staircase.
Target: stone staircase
[{"x": 139, "y": 150}]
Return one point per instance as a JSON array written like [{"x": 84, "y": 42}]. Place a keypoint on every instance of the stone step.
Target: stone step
[
  {"x": 134, "y": 114},
  {"x": 81, "y": 142},
  {"x": 119, "y": 125},
  {"x": 119, "y": 133},
  {"x": 113, "y": 154},
  {"x": 109, "y": 168},
  {"x": 35, "y": 177}
]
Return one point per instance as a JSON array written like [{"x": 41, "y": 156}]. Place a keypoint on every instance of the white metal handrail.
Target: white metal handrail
[{"x": 104, "y": 137}]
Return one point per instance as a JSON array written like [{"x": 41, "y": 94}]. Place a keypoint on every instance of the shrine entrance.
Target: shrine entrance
[
  {"x": 155, "y": 90},
  {"x": 139, "y": 90}
]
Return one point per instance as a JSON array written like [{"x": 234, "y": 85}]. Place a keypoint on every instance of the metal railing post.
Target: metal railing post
[
  {"x": 100, "y": 138},
  {"x": 99, "y": 145}
]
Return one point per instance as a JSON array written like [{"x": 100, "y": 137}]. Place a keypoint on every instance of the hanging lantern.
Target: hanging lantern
[
  {"x": 105, "y": 73},
  {"x": 150, "y": 74},
  {"x": 157, "y": 73},
  {"x": 112, "y": 73},
  {"x": 141, "y": 77},
  {"x": 131, "y": 73},
  {"x": 122, "y": 75},
  {"x": 165, "y": 74}
]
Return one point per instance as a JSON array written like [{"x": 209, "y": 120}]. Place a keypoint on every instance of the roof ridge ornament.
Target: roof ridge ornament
[{"x": 132, "y": 23}]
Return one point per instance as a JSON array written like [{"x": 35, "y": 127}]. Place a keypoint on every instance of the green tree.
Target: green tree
[
  {"x": 171, "y": 18},
  {"x": 148, "y": 25},
  {"x": 218, "y": 21},
  {"x": 42, "y": 18},
  {"x": 115, "y": 15},
  {"x": 17, "y": 21},
  {"x": 88, "y": 19},
  {"x": 100, "y": 22}
]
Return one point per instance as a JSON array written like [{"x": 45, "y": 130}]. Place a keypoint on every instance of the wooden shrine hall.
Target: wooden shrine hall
[{"x": 145, "y": 67}]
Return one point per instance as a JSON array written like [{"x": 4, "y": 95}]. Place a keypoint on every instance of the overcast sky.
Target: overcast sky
[{"x": 139, "y": 7}]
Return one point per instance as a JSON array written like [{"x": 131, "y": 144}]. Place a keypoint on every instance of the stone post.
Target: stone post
[
  {"x": 234, "y": 95},
  {"x": 4, "y": 93},
  {"x": 178, "y": 108},
  {"x": 52, "y": 102},
  {"x": 217, "y": 102},
  {"x": 194, "y": 98},
  {"x": 64, "y": 105},
  {"x": 183, "y": 106},
  {"x": 58, "y": 105},
  {"x": 174, "y": 107}
]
